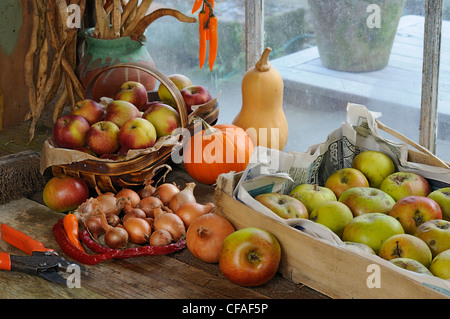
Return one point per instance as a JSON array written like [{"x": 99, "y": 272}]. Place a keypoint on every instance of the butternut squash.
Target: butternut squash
[{"x": 261, "y": 114}]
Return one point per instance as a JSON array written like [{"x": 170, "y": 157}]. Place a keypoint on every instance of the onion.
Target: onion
[
  {"x": 138, "y": 230},
  {"x": 189, "y": 211},
  {"x": 205, "y": 236},
  {"x": 134, "y": 212},
  {"x": 116, "y": 238},
  {"x": 147, "y": 204},
  {"x": 172, "y": 223},
  {"x": 148, "y": 189},
  {"x": 113, "y": 220},
  {"x": 184, "y": 196},
  {"x": 94, "y": 226},
  {"x": 131, "y": 195},
  {"x": 166, "y": 191},
  {"x": 160, "y": 237}
]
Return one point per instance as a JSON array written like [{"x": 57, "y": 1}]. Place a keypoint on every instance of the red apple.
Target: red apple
[
  {"x": 283, "y": 205},
  {"x": 195, "y": 95},
  {"x": 436, "y": 233},
  {"x": 346, "y": 178},
  {"x": 90, "y": 110},
  {"x": 332, "y": 214},
  {"x": 137, "y": 133},
  {"x": 250, "y": 257},
  {"x": 363, "y": 200},
  {"x": 103, "y": 137},
  {"x": 406, "y": 246},
  {"x": 85, "y": 149},
  {"x": 181, "y": 81},
  {"x": 402, "y": 184},
  {"x": 375, "y": 165},
  {"x": 372, "y": 229},
  {"x": 70, "y": 130},
  {"x": 164, "y": 118},
  {"x": 412, "y": 211},
  {"x": 65, "y": 193},
  {"x": 113, "y": 157},
  {"x": 312, "y": 195},
  {"x": 135, "y": 93},
  {"x": 119, "y": 112},
  {"x": 442, "y": 197}
]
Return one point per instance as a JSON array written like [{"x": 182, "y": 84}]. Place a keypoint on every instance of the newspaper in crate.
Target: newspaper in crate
[{"x": 274, "y": 171}]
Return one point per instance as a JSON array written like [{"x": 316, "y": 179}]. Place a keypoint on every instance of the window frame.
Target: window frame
[{"x": 254, "y": 46}]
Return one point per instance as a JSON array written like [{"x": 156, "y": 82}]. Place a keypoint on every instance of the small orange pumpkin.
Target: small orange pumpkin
[{"x": 217, "y": 149}]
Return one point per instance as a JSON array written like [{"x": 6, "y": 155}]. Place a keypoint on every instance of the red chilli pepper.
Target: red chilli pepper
[
  {"x": 212, "y": 41},
  {"x": 71, "y": 250},
  {"x": 202, "y": 18},
  {"x": 70, "y": 223},
  {"x": 197, "y": 5}
]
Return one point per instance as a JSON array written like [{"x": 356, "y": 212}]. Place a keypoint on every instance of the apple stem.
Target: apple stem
[{"x": 253, "y": 257}]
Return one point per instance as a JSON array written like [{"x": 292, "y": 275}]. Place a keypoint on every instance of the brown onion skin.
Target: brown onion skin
[
  {"x": 147, "y": 204},
  {"x": 160, "y": 237},
  {"x": 188, "y": 212},
  {"x": 138, "y": 230},
  {"x": 172, "y": 223},
  {"x": 182, "y": 197},
  {"x": 165, "y": 192},
  {"x": 116, "y": 238},
  {"x": 94, "y": 226}
]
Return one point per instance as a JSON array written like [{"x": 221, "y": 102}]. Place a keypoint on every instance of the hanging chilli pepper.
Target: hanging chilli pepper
[
  {"x": 212, "y": 40},
  {"x": 209, "y": 10},
  {"x": 202, "y": 20},
  {"x": 70, "y": 223},
  {"x": 197, "y": 5}
]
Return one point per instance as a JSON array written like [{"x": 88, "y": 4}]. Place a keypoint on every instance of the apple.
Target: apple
[
  {"x": 181, "y": 81},
  {"x": 346, "y": 178},
  {"x": 103, "y": 137},
  {"x": 375, "y": 165},
  {"x": 332, "y": 214},
  {"x": 411, "y": 265},
  {"x": 135, "y": 93},
  {"x": 440, "y": 266},
  {"x": 69, "y": 131},
  {"x": 113, "y": 157},
  {"x": 195, "y": 95},
  {"x": 312, "y": 195},
  {"x": 137, "y": 133},
  {"x": 402, "y": 184},
  {"x": 363, "y": 200},
  {"x": 436, "y": 234},
  {"x": 65, "y": 193},
  {"x": 372, "y": 229},
  {"x": 164, "y": 118},
  {"x": 119, "y": 112},
  {"x": 283, "y": 205},
  {"x": 358, "y": 247},
  {"x": 442, "y": 197},
  {"x": 412, "y": 211},
  {"x": 89, "y": 109},
  {"x": 250, "y": 257},
  {"x": 406, "y": 246}
]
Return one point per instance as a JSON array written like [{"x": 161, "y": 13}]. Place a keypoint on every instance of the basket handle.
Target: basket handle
[
  {"x": 436, "y": 160},
  {"x": 171, "y": 87}
]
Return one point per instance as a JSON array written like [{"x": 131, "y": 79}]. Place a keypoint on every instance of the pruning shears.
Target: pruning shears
[{"x": 41, "y": 261}]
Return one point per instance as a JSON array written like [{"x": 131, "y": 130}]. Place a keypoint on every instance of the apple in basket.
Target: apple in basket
[
  {"x": 406, "y": 246},
  {"x": 103, "y": 138},
  {"x": 119, "y": 112},
  {"x": 181, "y": 81},
  {"x": 135, "y": 93},
  {"x": 375, "y": 165},
  {"x": 436, "y": 233},
  {"x": 69, "y": 131},
  {"x": 332, "y": 214},
  {"x": 362, "y": 200},
  {"x": 440, "y": 266},
  {"x": 90, "y": 110},
  {"x": 137, "y": 133},
  {"x": 411, "y": 265},
  {"x": 412, "y": 211},
  {"x": 442, "y": 197},
  {"x": 312, "y": 195},
  {"x": 402, "y": 184},
  {"x": 283, "y": 205},
  {"x": 346, "y": 178},
  {"x": 164, "y": 118},
  {"x": 195, "y": 95}
]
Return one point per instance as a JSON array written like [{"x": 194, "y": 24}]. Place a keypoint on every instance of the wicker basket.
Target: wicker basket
[{"x": 111, "y": 176}]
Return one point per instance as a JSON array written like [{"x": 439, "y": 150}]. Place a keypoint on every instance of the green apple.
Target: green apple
[
  {"x": 402, "y": 184},
  {"x": 372, "y": 229},
  {"x": 283, "y": 205},
  {"x": 346, "y": 178},
  {"x": 164, "y": 118},
  {"x": 440, "y": 266},
  {"x": 312, "y": 195},
  {"x": 332, "y": 214},
  {"x": 436, "y": 233},
  {"x": 375, "y": 165},
  {"x": 442, "y": 197},
  {"x": 181, "y": 81},
  {"x": 363, "y": 200},
  {"x": 358, "y": 247},
  {"x": 406, "y": 246},
  {"x": 411, "y": 265}
]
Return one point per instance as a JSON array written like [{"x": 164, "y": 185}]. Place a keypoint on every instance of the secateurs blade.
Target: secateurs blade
[{"x": 41, "y": 261}]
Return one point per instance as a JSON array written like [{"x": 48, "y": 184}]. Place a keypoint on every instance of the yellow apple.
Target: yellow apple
[
  {"x": 312, "y": 195},
  {"x": 406, "y": 246},
  {"x": 440, "y": 266},
  {"x": 181, "y": 81},
  {"x": 346, "y": 178},
  {"x": 375, "y": 165},
  {"x": 332, "y": 214},
  {"x": 411, "y": 265}
]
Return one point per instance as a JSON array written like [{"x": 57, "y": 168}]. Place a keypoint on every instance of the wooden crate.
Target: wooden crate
[{"x": 321, "y": 265}]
